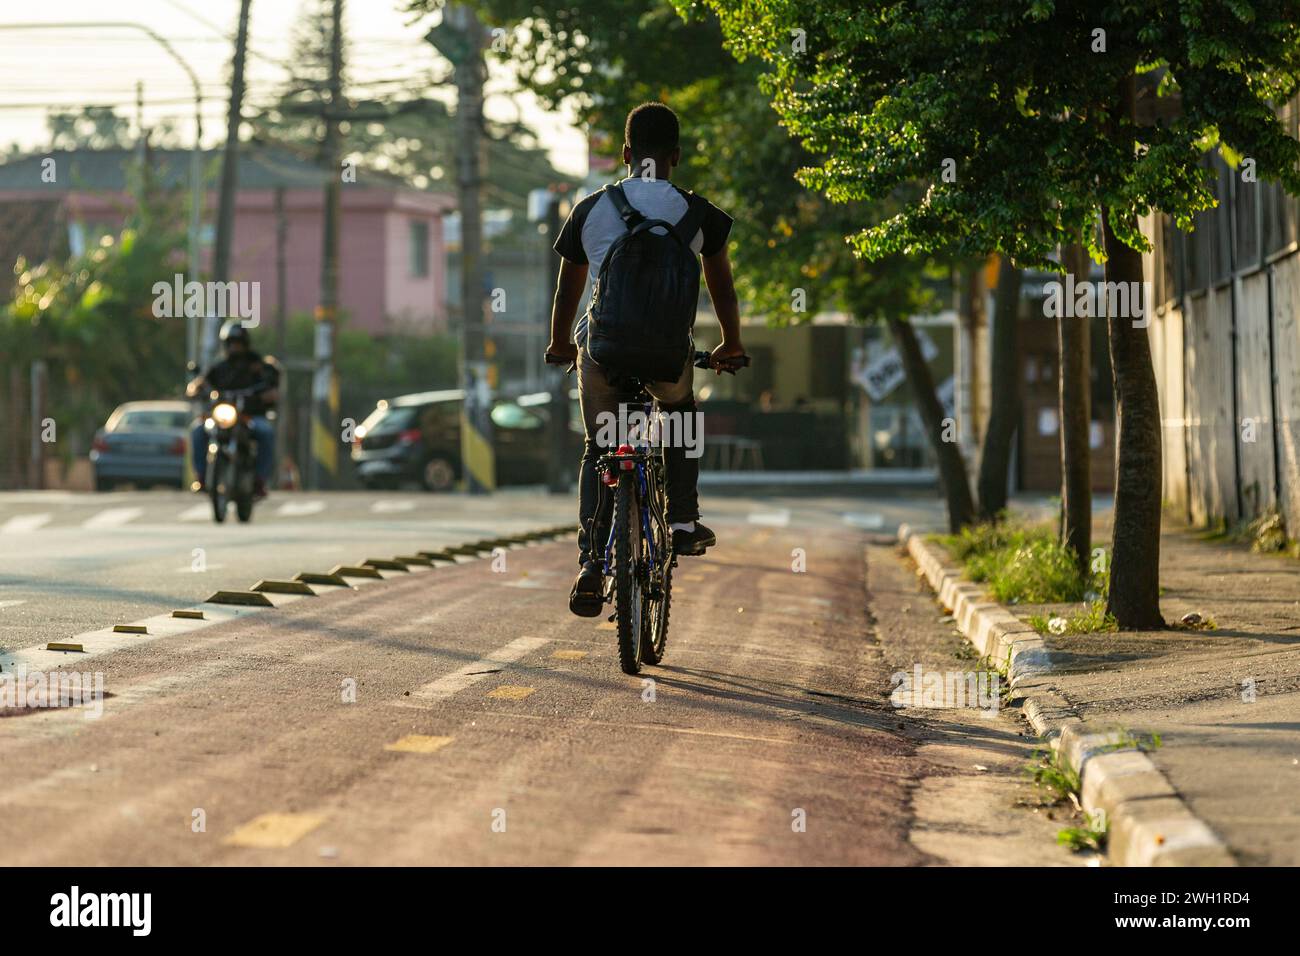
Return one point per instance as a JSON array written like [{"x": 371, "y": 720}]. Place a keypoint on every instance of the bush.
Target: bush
[{"x": 1020, "y": 564}]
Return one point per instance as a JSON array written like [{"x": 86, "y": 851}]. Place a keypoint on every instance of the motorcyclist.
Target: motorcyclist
[{"x": 241, "y": 368}]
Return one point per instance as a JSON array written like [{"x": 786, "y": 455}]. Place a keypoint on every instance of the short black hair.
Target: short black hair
[{"x": 651, "y": 130}]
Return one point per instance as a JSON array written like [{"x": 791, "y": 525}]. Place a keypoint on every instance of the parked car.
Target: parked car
[
  {"x": 416, "y": 439},
  {"x": 144, "y": 443}
]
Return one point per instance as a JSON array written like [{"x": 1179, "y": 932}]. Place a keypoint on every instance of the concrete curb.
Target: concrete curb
[{"x": 1150, "y": 825}]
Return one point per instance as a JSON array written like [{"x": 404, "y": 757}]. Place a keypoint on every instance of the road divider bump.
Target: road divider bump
[
  {"x": 248, "y": 598},
  {"x": 470, "y": 550},
  {"x": 438, "y": 556},
  {"x": 418, "y": 744},
  {"x": 511, "y": 692},
  {"x": 65, "y": 646},
  {"x": 384, "y": 564},
  {"x": 349, "y": 571},
  {"x": 284, "y": 587},
  {"x": 569, "y": 655},
  {"x": 275, "y": 830},
  {"x": 189, "y": 615},
  {"x": 130, "y": 629},
  {"x": 414, "y": 559},
  {"x": 320, "y": 577}
]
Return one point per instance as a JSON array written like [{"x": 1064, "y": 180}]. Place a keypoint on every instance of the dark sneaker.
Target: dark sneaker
[
  {"x": 587, "y": 598},
  {"x": 259, "y": 489},
  {"x": 693, "y": 542}
]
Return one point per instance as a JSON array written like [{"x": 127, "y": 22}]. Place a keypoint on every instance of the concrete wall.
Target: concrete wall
[{"x": 1229, "y": 380}]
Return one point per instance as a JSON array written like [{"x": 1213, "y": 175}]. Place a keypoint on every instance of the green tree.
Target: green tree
[
  {"x": 1031, "y": 106},
  {"x": 91, "y": 319}
]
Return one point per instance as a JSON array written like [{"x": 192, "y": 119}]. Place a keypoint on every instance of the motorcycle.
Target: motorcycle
[{"x": 232, "y": 453}]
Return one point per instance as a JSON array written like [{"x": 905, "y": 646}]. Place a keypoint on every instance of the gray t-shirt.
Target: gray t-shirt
[{"x": 594, "y": 224}]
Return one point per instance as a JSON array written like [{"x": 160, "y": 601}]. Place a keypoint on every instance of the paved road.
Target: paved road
[
  {"x": 73, "y": 562},
  {"x": 490, "y": 726}
]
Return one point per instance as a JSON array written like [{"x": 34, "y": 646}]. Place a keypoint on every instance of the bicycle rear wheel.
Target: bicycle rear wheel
[
  {"x": 629, "y": 601},
  {"x": 659, "y": 601}
]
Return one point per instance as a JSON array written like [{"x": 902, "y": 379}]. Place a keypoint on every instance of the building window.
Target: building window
[{"x": 419, "y": 249}]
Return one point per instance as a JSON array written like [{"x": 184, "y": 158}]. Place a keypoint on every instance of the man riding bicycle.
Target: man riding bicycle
[{"x": 651, "y": 151}]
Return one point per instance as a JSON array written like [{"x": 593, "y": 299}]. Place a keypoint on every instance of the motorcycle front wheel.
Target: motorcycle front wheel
[{"x": 219, "y": 475}]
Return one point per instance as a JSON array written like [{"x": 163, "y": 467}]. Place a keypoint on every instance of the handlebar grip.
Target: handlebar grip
[{"x": 730, "y": 365}]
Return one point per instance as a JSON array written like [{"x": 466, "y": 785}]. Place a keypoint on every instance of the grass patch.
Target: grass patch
[
  {"x": 1093, "y": 619},
  {"x": 1086, "y": 837},
  {"x": 1020, "y": 564},
  {"x": 1051, "y": 774}
]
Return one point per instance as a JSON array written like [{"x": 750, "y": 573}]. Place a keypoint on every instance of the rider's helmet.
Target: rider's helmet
[{"x": 234, "y": 331}]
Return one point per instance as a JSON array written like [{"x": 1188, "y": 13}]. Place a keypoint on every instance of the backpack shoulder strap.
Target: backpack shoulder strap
[
  {"x": 693, "y": 220},
  {"x": 626, "y": 211}
]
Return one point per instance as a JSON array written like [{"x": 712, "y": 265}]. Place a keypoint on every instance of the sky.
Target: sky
[{"x": 73, "y": 66}]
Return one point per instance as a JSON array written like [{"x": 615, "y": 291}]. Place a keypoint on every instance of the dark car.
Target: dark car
[
  {"x": 143, "y": 443},
  {"x": 416, "y": 439}
]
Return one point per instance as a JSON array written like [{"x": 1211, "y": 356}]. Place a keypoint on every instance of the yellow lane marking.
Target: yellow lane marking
[
  {"x": 275, "y": 830},
  {"x": 569, "y": 655},
  {"x": 418, "y": 744},
  {"x": 607, "y": 626},
  {"x": 691, "y": 578},
  {"x": 512, "y": 692}
]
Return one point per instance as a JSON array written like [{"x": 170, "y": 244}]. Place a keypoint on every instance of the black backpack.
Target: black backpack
[{"x": 644, "y": 299}]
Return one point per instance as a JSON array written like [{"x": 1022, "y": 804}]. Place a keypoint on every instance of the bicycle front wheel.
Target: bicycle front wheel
[{"x": 629, "y": 601}]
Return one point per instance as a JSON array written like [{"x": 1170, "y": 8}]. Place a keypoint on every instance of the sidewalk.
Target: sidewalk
[
  {"x": 1234, "y": 756},
  {"x": 1225, "y": 701}
]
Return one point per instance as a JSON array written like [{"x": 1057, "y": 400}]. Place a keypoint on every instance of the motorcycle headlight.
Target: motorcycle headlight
[{"x": 225, "y": 415}]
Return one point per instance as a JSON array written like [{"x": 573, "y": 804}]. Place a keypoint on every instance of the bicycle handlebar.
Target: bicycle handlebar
[{"x": 701, "y": 359}]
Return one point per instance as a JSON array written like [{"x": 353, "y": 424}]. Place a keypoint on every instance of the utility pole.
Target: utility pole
[
  {"x": 462, "y": 39},
  {"x": 230, "y": 157},
  {"x": 286, "y": 416},
  {"x": 324, "y": 386}
]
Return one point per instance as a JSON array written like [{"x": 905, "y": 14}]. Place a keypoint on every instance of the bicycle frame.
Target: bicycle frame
[{"x": 639, "y": 457}]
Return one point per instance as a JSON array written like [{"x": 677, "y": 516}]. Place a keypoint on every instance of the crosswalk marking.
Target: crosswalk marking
[
  {"x": 387, "y": 507},
  {"x": 21, "y": 524},
  {"x": 776, "y": 519},
  {"x": 199, "y": 512},
  {"x": 295, "y": 508},
  {"x": 870, "y": 521},
  {"x": 112, "y": 518}
]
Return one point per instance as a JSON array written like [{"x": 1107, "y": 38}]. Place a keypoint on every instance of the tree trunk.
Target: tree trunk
[
  {"x": 1135, "y": 543},
  {"x": 942, "y": 434},
  {"x": 1004, "y": 413},
  {"x": 1074, "y": 343}
]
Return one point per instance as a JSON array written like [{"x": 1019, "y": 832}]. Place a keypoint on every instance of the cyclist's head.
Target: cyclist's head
[
  {"x": 652, "y": 133},
  {"x": 235, "y": 338}
]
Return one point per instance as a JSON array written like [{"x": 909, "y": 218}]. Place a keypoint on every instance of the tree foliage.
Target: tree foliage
[{"x": 1018, "y": 99}]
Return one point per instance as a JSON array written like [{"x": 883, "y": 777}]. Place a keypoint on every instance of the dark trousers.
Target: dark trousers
[{"x": 600, "y": 398}]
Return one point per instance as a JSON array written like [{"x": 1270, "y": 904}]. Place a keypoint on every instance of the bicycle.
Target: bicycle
[{"x": 638, "y": 558}]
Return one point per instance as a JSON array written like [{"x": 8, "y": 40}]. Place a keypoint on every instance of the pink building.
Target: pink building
[{"x": 392, "y": 264}]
